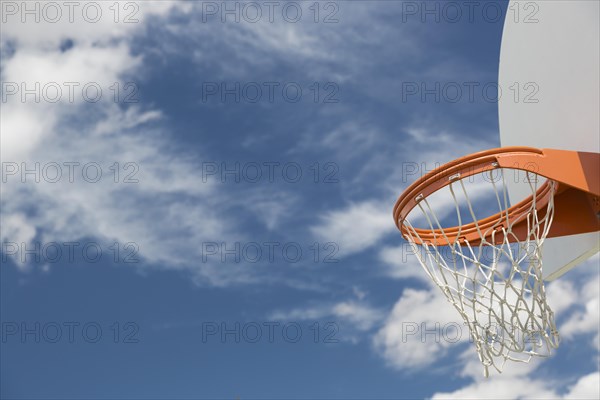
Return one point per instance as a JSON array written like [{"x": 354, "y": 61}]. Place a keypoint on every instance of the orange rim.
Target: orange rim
[{"x": 576, "y": 195}]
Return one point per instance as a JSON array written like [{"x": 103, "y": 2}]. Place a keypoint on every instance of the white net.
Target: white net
[{"x": 496, "y": 285}]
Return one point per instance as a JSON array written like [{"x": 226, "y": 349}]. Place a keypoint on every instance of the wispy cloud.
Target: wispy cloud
[
  {"x": 357, "y": 227},
  {"x": 355, "y": 317},
  {"x": 167, "y": 212}
]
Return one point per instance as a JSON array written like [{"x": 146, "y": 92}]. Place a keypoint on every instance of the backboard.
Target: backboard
[{"x": 550, "y": 81}]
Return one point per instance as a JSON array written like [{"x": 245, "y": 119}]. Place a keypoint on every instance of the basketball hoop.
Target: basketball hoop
[{"x": 490, "y": 269}]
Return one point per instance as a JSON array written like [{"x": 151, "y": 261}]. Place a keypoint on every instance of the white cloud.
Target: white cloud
[
  {"x": 354, "y": 316},
  {"x": 355, "y": 228},
  {"x": 327, "y": 48},
  {"x": 419, "y": 331},
  {"x": 400, "y": 263},
  {"x": 168, "y": 213},
  {"x": 514, "y": 384},
  {"x": 26, "y": 124},
  {"x": 587, "y": 387},
  {"x": 86, "y": 23},
  {"x": 511, "y": 388},
  {"x": 521, "y": 381},
  {"x": 587, "y": 318},
  {"x": 80, "y": 65},
  {"x": 363, "y": 317},
  {"x": 349, "y": 140},
  {"x": 270, "y": 207},
  {"x": 16, "y": 228}
]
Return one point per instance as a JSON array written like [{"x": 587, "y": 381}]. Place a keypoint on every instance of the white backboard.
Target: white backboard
[{"x": 550, "y": 81}]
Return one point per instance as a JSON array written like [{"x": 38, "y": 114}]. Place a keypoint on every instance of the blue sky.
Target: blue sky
[{"x": 339, "y": 157}]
